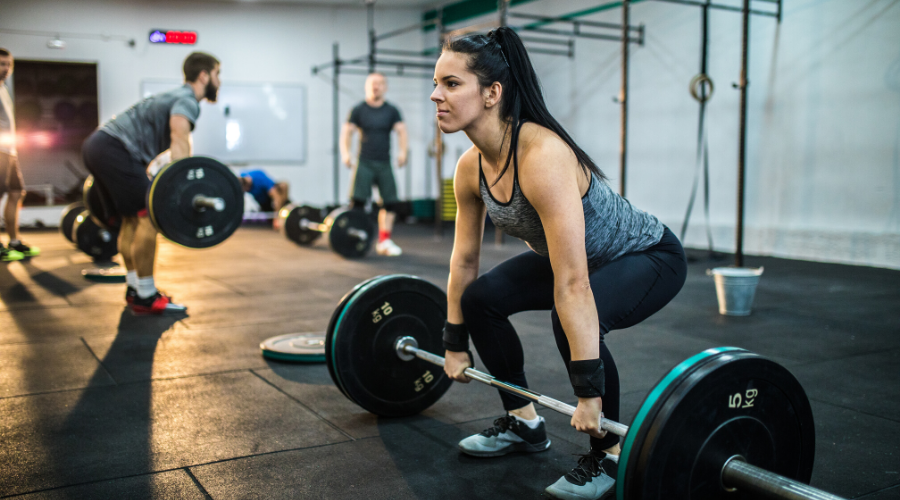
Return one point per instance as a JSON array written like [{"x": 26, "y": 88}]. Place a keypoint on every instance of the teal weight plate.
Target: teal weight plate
[
  {"x": 654, "y": 401},
  {"x": 331, "y": 324}
]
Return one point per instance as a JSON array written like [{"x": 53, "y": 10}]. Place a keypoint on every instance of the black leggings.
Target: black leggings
[{"x": 626, "y": 291}]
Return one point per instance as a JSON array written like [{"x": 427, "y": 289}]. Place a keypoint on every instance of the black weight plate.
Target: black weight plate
[
  {"x": 364, "y": 360},
  {"x": 351, "y": 233},
  {"x": 100, "y": 205},
  {"x": 331, "y": 322},
  {"x": 170, "y": 202},
  {"x": 68, "y": 219},
  {"x": 733, "y": 402},
  {"x": 99, "y": 243},
  {"x": 299, "y": 347},
  {"x": 292, "y": 218}
]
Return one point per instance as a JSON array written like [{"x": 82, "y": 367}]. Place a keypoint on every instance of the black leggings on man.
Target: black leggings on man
[{"x": 626, "y": 291}]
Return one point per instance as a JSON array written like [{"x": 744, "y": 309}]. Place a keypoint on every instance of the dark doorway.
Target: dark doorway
[{"x": 56, "y": 109}]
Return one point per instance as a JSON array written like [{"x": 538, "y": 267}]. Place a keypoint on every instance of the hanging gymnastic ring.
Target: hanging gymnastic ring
[{"x": 696, "y": 82}]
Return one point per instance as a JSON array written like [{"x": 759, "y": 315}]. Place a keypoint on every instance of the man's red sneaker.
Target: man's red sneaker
[{"x": 156, "y": 304}]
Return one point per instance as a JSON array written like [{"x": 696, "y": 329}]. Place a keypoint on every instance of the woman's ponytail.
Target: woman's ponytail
[{"x": 501, "y": 57}]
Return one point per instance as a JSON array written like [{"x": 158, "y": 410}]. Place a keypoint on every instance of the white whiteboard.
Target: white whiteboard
[{"x": 250, "y": 123}]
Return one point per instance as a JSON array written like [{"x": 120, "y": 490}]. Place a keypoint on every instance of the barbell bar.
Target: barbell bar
[
  {"x": 357, "y": 233},
  {"x": 724, "y": 424},
  {"x": 736, "y": 472},
  {"x": 202, "y": 202}
]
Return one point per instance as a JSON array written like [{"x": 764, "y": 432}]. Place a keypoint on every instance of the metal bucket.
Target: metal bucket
[{"x": 735, "y": 288}]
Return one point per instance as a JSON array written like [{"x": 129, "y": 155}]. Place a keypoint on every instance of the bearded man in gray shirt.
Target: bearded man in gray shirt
[{"x": 117, "y": 155}]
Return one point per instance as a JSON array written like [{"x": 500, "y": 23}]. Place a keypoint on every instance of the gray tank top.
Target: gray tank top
[{"x": 612, "y": 227}]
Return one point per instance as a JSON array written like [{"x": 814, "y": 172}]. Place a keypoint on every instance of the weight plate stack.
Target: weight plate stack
[
  {"x": 100, "y": 205},
  {"x": 298, "y": 347},
  {"x": 67, "y": 220},
  {"x": 99, "y": 243}
]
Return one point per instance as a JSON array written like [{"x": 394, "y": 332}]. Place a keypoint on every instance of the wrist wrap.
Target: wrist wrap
[
  {"x": 456, "y": 337},
  {"x": 588, "y": 377}
]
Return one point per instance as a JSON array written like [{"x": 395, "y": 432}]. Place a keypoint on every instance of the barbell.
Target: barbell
[
  {"x": 724, "y": 424},
  {"x": 350, "y": 232},
  {"x": 196, "y": 202}
]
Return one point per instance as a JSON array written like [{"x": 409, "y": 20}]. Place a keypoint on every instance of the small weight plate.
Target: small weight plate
[
  {"x": 291, "y": 225},
  {"x": 105, "y": 274},
  {"x": 351, "y": 233},
  {"x": 67, "y": 220},
  {"x": 300, "y": 347},
  {"x": 726, "y": 403},
  {"x": 100, "y": 205},
  {"x": 331, "y": 322},
  {"x": 99, "y": 243},
  {"x": 364, "y": 360},
  {"x": 170, "y": 202}
]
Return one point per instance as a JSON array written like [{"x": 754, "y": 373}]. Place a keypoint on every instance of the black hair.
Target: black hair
[
  {"x": 197, "y": 62},
  {"x": 4, "y": 52},
  {"x": 500, "y": 56}
]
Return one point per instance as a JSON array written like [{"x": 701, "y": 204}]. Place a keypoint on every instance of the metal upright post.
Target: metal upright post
[
  {"x": 438, "y": 167},
  {"x": 742, "y": 138},
  {"x": 623, "y": 99},
  {"x": 336, "y": 123},
  {"x": 503, "y": 10},
  {"x": 370, "y": 12},
  {"x": 439, "y": 151}
]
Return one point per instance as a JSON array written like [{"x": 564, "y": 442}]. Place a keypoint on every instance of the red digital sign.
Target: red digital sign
[{"x": 173, "y": 37}]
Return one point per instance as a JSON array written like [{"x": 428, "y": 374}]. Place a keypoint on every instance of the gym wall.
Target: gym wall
[
  {"x": 823, "y": 150},
  {"x": 823, "y": 134},
  {"x": 256, "y": 43}
]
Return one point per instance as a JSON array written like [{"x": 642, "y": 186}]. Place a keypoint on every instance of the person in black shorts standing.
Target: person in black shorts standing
[
  {"x": 11, "y": 181},
  {"x": 118, "y": 154},
  {"x": 374, "y": 119}
]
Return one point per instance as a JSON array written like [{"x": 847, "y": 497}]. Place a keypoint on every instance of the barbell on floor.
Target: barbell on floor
[
  {"x": 724, "y": 424},
  {"x": 99, "y": 242},
  {"x": 350, "y": 232},
  {"x": 196, "y": 202}
]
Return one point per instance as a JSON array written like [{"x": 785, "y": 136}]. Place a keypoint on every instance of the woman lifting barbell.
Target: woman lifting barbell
[{"x": 598, "y": 264}]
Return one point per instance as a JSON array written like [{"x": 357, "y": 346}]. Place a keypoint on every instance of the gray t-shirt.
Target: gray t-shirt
[
  {"x": 375, "y": 126},
  {"x": 612, "y": 227},
  {"x": 144, "y": 127}
]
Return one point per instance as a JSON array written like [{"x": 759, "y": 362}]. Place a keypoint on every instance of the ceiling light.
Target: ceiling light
[{"x": 56, "y": 43}]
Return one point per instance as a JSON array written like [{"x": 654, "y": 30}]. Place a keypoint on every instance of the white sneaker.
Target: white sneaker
[{"x": 388, "y": 247}]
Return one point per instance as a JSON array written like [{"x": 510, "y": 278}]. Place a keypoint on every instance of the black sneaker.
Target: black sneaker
[
  {"x": 594, "y": 478},
  {"x": 25, "y": 250},
  {"x": 130, "y": 294},
  {"x": 507, "y": 435}
]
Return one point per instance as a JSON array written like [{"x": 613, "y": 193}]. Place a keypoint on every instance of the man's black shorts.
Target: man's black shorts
[{"x": 122, "y": 178}]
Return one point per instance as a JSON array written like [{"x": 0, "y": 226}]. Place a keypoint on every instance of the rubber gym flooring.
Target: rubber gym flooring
[{"x": 97, "y": 403}]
